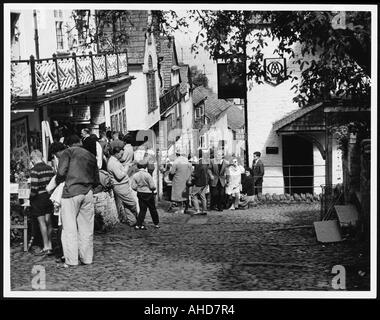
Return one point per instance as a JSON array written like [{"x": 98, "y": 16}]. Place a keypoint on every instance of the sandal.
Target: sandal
[
  {"x": 47, "y": 252},
  {"x": 142, "y": 228}
]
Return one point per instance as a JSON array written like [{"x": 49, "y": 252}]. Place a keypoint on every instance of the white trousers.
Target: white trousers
[{"x": 78, "y": 228}]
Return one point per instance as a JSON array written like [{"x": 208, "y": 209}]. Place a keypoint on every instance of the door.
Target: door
[{"x": 297, "y": 164}]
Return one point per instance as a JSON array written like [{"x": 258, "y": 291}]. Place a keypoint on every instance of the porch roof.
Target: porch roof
[{"x": 310, "y": 118}]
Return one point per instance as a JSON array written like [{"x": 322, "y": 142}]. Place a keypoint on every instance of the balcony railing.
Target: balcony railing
[
  {"x": 35, "y": 78},
  {"x": 170, "y": 98}
]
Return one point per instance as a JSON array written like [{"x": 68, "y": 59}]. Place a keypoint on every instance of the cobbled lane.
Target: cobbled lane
[{"x": 220, "y": 251}]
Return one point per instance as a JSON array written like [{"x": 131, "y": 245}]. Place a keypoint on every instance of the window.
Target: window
[
  {"x": 207, "y": 120},
  {"x": 151, "y": 85},
  {"x": 58, "y": 14},
  {"x": 178, "y": 111},
  {"x": 174, "y": 120},
  {"x": 59, "y": 34},
  {"x": 199, "y": 111},
  {"x": 171, "y": 121},
  {"x": 118, "y": 114},
  {"x": 203, "y": 142}
]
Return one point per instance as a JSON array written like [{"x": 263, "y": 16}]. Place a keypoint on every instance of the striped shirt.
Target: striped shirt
[{"x": 40, "y": 175}]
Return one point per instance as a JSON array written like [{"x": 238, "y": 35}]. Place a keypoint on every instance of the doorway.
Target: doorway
[{"x": 298, "y": 170}]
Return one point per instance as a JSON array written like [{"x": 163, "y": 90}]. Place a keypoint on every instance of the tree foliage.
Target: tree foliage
[
  {"x": 110, "y": 30},
  {"x": 331, "y": 49},
  {"x": 198, "y": 78}
]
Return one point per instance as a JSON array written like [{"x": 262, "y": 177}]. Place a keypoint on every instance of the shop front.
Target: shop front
[{"x": 66, "y": 119}]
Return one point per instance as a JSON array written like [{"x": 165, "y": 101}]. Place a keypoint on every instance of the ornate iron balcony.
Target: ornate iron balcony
[
  {"x": 36, "y": 78},
  {"x": 170, "y": 98}
]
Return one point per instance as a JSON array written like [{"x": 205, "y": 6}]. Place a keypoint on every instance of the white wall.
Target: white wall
[
  {"x": 46, "y": 32},
  {"x": 267, "y": 104},
  {"x": 136, "y": 101},
  {"x": 150, "y": 50},
  {"x": 218, "y": 131},
  {"x": 187, "y": 114},
  {"x": 319, "y": 165}
]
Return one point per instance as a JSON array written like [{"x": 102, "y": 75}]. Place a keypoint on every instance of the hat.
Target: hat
[
  {"x": 180, "y": 151},
  {"x": 117, "y": 143},
  {"x": 142, "y": 164}
]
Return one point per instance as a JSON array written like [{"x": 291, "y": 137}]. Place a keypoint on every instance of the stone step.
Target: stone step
[{"x": 347, "y": 214}]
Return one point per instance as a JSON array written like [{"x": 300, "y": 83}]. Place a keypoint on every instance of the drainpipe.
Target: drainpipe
[
  {"x": 37, "y": 52},
  {"x": 36, "y": 44},
  {"x": 246, "y": 104}
]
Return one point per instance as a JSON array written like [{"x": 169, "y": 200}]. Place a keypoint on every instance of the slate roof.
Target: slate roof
[
  {"x": 167, "y": 51},
  {"x": 235, "y": 117},
  {"x": 136, "y": 26},
  {"x": 198, "y": 95},
  {"x": 294, "y": 115},
  {"x": 215, "y": 107}
]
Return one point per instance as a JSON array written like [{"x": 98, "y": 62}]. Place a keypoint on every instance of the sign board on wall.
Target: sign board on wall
[
  {"x": 275, "y": 70},
  {"x": 81, "y": 113},
  {"x": 77, "y": 113}
]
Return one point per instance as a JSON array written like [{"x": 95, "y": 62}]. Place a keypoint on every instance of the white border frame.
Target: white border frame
[{"x": 193, "y": 294}]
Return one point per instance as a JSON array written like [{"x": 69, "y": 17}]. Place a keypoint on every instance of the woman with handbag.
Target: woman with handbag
[{"x": 181, "y": 171}]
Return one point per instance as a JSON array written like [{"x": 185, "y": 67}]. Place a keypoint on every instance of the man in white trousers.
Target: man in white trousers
[{"x": 78, "y": 169}]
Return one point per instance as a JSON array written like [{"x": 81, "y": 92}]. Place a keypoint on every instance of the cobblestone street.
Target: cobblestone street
[{"x": 221, "y": 251}]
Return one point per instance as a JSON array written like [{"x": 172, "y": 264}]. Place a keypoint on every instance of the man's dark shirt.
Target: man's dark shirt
[
  {"x": 200, "y": 175},
  {"x": 78, "y": 169},
  {"x": 89, "y": 143},
  {"x": 258, "y": 171}
]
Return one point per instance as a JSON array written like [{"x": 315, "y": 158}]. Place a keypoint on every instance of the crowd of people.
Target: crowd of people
[
  {"x": 216, "y": 184},
  {"x": 83, "y": 167}
]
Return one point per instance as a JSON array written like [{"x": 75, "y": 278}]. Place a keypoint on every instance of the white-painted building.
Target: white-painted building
[
  {"x": 89, "y": 89},
  {"x": 291, "y": 140},
  {"x": 219, "y": 123}
]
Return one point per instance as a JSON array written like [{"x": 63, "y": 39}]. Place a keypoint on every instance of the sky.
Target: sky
[{"x": 183, "y": 42}]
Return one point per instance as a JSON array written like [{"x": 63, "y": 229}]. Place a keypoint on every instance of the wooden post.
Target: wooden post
[
  {"x": 25, "y": 231},
  {"x": 57, "y": 71},
  {"x": 33, "y": 75},
  {"x": 117, "y": 63},
  {"x": 92, "y": 66},
  {"x": 126, "y": 61},
  {"x": 76, "y": 68},
  {"x": 329, "y": 159},
  {"x": 106, "y": 68}
]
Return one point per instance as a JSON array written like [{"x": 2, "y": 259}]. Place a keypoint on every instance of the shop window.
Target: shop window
[
  {"x": 118, "y": 114},
  {"x": 151, "y": 85}
]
